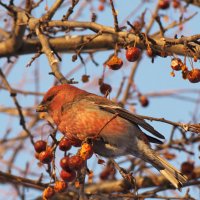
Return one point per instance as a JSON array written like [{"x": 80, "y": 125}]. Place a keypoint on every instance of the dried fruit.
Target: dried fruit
[
  {"x": 64, "y": 144},
  {"x": 86, "y": 151},
  {"x": 169, "y": 156},
  {"x": 143, "y": 100},
  {"x": 187, "y": 168},
  {"x": 68, "y": 175},
  {"x": 114, "y": 63},
  {"x": 48, "y": 193},
  {"x": 46, "y": 157},
  {"x": 40, "y": 146},
  {"x": 101, "y": 7},
  {"x": 132, "y": 54},
  {"x": 60, "y": 186},
  {"x": 194, "y": 75},
  {"x": 76, "y": 162},
  {"x": 176, "y": 64},
  {"x": 64, "y": 163},
  {"x": 163, "y": 4},
  {"x": 85, "y": 78},
  {"x": 105, "y": 88}
]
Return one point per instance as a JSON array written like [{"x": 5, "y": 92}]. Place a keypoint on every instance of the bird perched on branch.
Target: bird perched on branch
[{"x": 114, "y": 131}]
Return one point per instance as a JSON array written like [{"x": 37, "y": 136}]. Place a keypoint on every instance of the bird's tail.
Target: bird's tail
[{"x": 172, "y": 174}]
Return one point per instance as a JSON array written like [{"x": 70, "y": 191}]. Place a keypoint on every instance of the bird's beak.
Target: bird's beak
[{"x": 41, "y": 108}]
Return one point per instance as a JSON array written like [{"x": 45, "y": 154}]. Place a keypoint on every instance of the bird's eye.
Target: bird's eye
[{"x": 50, "y": 98}]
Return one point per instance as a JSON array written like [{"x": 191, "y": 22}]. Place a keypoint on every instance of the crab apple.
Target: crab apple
[
  {"x": 64, "y": 163},
  {"x": 143, "y": 100},
  {"x": 85, "y": 78},
  {"x": 60, "y": 186},
  {"x": 163, "y": 4},
  {"x": 48, "y": 193},
  {"x": 194, "y": 75},
  {"x": 68, "y": 175},
  {"x": 105, "y": 88},
  {"x": 114, "y": 63},
  {"x": 40, "y": 146},
  {"x": 76, "y": 162},
  {"x": 187, "y": 168},
  {"x": 101, "y": 7},
  {"x": 132, "y": 54},
  {"x": 86, "y": 151},
  {"x": 64, "y": 144},
  {"x": 46, "y": 157},
  {"x": 176, "y": 64}
]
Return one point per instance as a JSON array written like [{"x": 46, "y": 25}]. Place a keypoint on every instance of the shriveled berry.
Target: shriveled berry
[
  {"x": 68, "y": 176},
  {"x": 85, "y": 78},
  {"x": 86, "y": 151},
  {"x": 132, "y": 54},
  {"x": 194, "y": 76},
  {"x": 65, "y": 144},
  {"x": 64, "y": 163},
  {"x": 176, "y": 64},
  {"x": 143, "y": 100},
  {"x": 40, "y": 146},
  {"x": 187, "y": 168},
  {"x": 60, "y": 186},
  {"x": 48, "y": 193},
  {"x": 46, "y": 157},
  {"x": 76, "y": 162},
  {"x": 163, "y": 4},
  {"x": 114, "y": 63},
  {"x": 105, "y": 88}
]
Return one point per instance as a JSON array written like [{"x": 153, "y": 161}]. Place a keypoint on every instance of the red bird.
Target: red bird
[{"x": 115, "y": 131}]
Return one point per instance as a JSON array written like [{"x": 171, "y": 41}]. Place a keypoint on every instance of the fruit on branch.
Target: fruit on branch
[
  {"x": 176, "y": 4},
  {"x": 64, "y": 144},
  {"x": 76, "y": 162},
  {"x": 85, "y": 78},
  {"x": 60, "y": 186},
  {"x": 86, "y": 151},
  {"x": 163, "y": 4},
  {"x": 176, "y": 64},
  {"x": 114, "y": 63},
  {"x": 68, "y": 175},
  {"x": 188, "y": 169},
  {"x": 101, "y": 7},
  {"x": 48, "y": 193},
  {"x": 105, "y": 88},
  {"x": 75, "y": 142},
  {"x": 143, "y": 100},
  {"x": 194, "y": 75},
  {"x": 40, "y": 146},
  {"x": 149, "y": 52},
  {"x": 132, "y": 54},
  {"x": 64, "y": 163},
  {"x": 46, "y": 157}
]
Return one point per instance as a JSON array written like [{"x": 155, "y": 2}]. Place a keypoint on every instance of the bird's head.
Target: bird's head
[{"x": 56, "y": 96}]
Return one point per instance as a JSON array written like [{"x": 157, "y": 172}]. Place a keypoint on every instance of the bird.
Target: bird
[{"x": 114, "y": 131}]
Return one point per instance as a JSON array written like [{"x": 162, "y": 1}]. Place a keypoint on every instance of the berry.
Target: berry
[
  {"x": 85, "y": 78},
  {"x": 143, "y": 100},
  {"x": 76, "y": 162},
  {"x": 149, "y": 52},
  {"x": 46, "y": 157},
  {"x": 114, "y": 63},
  {"x": 105, "y": 88},
  {"x": 40, "y": 146},
  {"x": 86, "y": 151},
  {"x": 64, "y": 144},
  {"x": 75, "y": 142},
  {"x": 163, "y": 4},
  {"x": 176, "y": 4},
  {"x": 60, "y": 186},
  {"x": 176, "y": 64},
  {"x": 48, "y": 193},
  {"x": 68, "y": 176},
  {"x": 132, "y": 54},
  {"x": 101, "y": 7},
  {"x": 194, "y": 76},
  {"x": 64, "y": 163},
  {"x": 187, "y": 168}
]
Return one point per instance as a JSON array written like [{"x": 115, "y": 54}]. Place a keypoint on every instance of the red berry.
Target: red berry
[
  {"x": 101, "y": 7},
  {"x": 68, "y": 176},
  {"x": 176, "y": 64},
  {"x": 194, "y": 76},
  {"x": 46, "y": 157},
  {"x": 60, "y": 186},
  {"x": 114, "y": 63},
  {"x": 143, "y": 100},
  {"x": 48, "y": 193},
  {"x": 85, "y": 78},
  {"x": 40, "y": 146},
  {"x": 105, "y": 88},
  {"x": 86, "y": 151},
  {"x": 64, "y": 163},
  {"x": 75, "y": 142},
  {"x": 64, "y": 144},
  {"x": 76, "y": 162},
  {"x": 132, "y": 54},
  {"x": 187, "y": 168},
  {"x": 176, "y": 4},
  {"x": 163, "y": 4}
]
